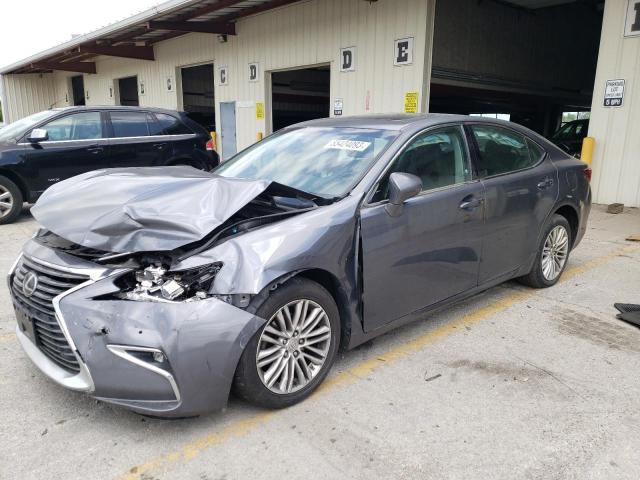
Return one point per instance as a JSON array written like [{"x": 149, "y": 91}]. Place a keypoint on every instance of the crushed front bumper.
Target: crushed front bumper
[{"x": 196, "y": 344}]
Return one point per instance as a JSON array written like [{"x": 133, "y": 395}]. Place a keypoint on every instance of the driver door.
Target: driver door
[{"x": 431, "y": 250}]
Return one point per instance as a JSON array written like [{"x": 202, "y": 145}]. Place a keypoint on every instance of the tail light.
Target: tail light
[
  {"x": 587, "y": 173},
  {"x": 210, "y": 145}
]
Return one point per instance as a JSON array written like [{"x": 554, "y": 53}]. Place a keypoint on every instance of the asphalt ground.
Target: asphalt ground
[{"x": 513, "y": 383}]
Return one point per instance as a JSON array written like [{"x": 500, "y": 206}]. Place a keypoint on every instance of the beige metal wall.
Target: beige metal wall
[
  {"x": 616, "y": 162},
  {"x": 302, "y": 34}
]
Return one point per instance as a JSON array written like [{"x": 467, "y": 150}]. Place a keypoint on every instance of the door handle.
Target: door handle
[
  {"x": 470, "y": 203},
  {"x": 95, "y": 149},
  {"x": 546, "y": 183},
  {"x": 159, "y": 146}
]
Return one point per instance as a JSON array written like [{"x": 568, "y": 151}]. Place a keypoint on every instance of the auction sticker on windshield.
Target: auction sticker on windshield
[{"x": 354, "y": 145}]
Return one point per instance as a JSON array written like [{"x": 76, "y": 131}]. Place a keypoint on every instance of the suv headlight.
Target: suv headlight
[{"x": 156, "y": 284}]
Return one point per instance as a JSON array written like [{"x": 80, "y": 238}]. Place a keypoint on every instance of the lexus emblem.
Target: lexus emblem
[{"x": 29, "y": 284}]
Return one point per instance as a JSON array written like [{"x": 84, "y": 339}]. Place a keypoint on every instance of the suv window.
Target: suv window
[
  {"x": 503, "y": 150},
  {"x": 171, "y": 125},
  {"x": 438, "y": 157},
  {"x": 130, "y": 124},
  {"x": 76, "y": 126}
]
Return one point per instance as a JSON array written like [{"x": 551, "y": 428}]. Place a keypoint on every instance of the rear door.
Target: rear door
[
  {"x": 137, "y": 140},
  {"x": 186, "y": 146},
  {"x": 431, "y": 251},
  {"x": 521, "y": 188},
  {"x": 77, "y": 143}
]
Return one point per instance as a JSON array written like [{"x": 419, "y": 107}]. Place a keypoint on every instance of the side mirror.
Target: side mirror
[
  {"x": 402, "y": 187},
  {"x": 38, "y": 135}
]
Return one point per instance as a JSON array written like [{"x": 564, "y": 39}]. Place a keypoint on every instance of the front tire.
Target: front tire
[
  {"x": 292, "y": 353},
  {"x": 553, "y": 254},
  {"x": 10, "y": 201}
]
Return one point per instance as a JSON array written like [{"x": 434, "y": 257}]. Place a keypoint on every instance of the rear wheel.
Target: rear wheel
[
  {"x": 10, "y": 201},
  {"x": 553, "y": 253},
  {"x": 293, "y": 352}
]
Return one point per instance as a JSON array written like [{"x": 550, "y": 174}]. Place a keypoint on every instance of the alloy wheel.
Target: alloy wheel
[
  {"x": 293, "y": 346},
  {"x": 6, "y": 201},
  {"x": 554, "y": 252}
]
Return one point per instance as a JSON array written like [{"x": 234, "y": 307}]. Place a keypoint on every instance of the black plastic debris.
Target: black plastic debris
[{"x": 629, "y": 312}]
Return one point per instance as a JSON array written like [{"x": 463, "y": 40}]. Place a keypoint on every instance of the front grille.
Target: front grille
[{"x": 39, "y": 306}]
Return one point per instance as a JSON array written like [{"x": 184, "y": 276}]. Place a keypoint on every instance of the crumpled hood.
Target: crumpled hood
[{"x": 142, "y": 209}]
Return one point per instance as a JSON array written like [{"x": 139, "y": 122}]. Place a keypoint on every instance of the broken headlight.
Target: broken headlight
[{"x": 157, "y": 284}]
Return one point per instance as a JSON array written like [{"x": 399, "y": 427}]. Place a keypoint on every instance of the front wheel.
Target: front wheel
[
  {"x": 10, "y": 201},
  {"x": 294, "y": 350},
  {"x": 553, "y": 253}
]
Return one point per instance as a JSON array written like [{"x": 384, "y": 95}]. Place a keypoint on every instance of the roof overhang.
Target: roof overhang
[{"x": 135, "y": 36}]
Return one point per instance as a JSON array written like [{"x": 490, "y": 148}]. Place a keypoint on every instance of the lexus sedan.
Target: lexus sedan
[
  {"x": 47, "y": 147},
  {"x": 162, "y": 289}
]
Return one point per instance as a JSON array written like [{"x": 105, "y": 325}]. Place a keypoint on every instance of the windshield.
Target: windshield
[
  {"x": 16, "y": 129},
  {"x": 323, "y": 161}
]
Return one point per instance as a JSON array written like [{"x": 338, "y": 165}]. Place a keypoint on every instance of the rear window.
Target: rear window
[
  {"x": 130, "y": 124},
  {"x": 171, "y": 125}
]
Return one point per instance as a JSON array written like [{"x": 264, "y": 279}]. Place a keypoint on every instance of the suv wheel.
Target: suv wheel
[
  {"x": 10, "y": 201},
  {"x": 553, "y": 253},
  {"x": 293, "y": 352}
]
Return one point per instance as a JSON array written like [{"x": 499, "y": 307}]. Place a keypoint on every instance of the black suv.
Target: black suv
[{"x": 53, "y": 145}]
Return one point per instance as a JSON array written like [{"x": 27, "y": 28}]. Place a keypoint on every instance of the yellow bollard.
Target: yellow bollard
[
  {"x": 214, "y": 139},
  {"x": 259, "y": 136},
  {"x": 587, "y": 150}
]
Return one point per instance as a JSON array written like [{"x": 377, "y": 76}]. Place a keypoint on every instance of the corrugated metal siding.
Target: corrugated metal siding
[
  {"x": 616, "y": 163},
  {"x": 302, "y": 34},
  {"x": 27, "y": 94}
]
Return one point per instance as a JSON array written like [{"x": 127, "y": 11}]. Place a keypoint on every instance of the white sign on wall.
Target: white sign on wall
[
  {"x": 614, "y": 93},
  {"x": 170, "y": 83},
  {"x": 348, "y": 59},
  {"x": 223, "y": 76},
  {"x": 254, "y": 71},
  {"x": 403, "y": 51},
  {"x": 337, "y": 107},
  {"x": 141, "y": 88},
  {"x": 632, "y": 24}
]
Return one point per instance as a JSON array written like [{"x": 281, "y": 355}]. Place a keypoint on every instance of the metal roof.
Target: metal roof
[{"x": 135, "y": 36}]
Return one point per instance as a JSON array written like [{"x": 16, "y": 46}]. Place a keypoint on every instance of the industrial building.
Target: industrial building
[{"x": 245, "y": 68}]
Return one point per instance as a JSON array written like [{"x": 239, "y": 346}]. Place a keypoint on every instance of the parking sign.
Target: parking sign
[{"x": 614, "y": 93}]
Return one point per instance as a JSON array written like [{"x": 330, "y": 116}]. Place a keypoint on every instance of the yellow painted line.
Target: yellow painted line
[
  {"x": 7, "y": 337},
  {"x": 243, "y": 427}
]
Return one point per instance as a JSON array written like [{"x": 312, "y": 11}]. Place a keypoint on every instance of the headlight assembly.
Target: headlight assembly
[{"x": 156, "y": 284}]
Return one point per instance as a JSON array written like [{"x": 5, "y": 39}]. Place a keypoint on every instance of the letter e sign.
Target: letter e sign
[
  {"x": 223, "y": 76},
  {"x": 348, "y": 59},
  {"x": 253, "y": 72},
  {"x": 632, "y": 23},
  {"x": 403, "y": 51}
]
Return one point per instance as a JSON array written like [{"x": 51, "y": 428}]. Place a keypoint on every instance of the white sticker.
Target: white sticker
[{"x": 353, "y": 145}]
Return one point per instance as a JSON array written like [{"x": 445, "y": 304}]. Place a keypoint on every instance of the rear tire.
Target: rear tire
[
  {"x": 552, "y": 256},
  {"x": 11, "y": 201},
  {"x": 292, "y": 353}
]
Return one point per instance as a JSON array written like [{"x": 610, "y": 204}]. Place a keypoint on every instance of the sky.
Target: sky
[{"x": 30, "y": 27}]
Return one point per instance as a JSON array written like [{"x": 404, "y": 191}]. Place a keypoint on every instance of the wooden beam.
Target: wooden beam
[
  {"x": 253, "y": 10},
  {"x": 199, "y": 27},
  {"x": 139, "y": 53},
  {"x": 80, "y": 67}
]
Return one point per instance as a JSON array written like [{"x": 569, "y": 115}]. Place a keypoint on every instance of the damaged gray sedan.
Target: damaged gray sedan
[{"x": 161, "y": 289}]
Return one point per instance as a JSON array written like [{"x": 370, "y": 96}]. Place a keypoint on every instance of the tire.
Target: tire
[
  {"x": 11, "y": 201},
  {"x": 556, "y": 239},
  {"x": 251, "y": 380}
]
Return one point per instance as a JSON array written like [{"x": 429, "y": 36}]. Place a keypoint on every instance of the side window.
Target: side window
[
  {"x": 129, "y": 124},
  {"x": 172, "y": 125},
  {"x": 502, "y": 150},
  {"x": 77, "y": 126},
  {"x": 437, "y": 157},
  {"x": 535, "y": 152}
]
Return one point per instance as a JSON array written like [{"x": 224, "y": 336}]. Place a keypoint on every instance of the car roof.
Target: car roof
[
  {"x": 114, "y": 107},
  {"x": 397, "y": 121}
]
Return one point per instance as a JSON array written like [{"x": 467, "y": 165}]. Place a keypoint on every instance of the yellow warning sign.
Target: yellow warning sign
[
  {"x": 411, "y": 102},
  {"x": 260, "y": 111}
]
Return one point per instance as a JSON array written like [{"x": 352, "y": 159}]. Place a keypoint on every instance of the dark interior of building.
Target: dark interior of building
[
  {"x": 528, "y": 61},
  {"x": 198, "y": 95},
  {"x": 77, "y": 87},
  {"x": 128, "y": 91},
  {"x": 300, "y": 95}
]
